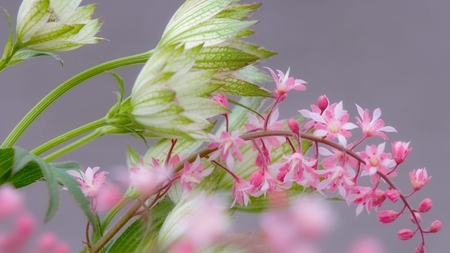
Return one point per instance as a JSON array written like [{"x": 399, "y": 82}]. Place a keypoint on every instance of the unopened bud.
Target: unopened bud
[
  {"x": 392, "y": 195},
  {"x": 387, "y": 216},
  {"x": 425, "y": 205},
  {"x": 435, "y": 226},
  {"x": 418, "y": 217},
  {"x": 323, "y": 102},
  {"x": 293, "y": 125},
  {"x": 420, "y": 249},
  {"x": 405, "y": 234}
]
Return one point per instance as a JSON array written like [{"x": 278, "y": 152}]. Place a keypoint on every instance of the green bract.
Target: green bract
[{"x": 56, "y": 25}]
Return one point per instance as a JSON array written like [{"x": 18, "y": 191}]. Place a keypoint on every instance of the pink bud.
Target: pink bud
[
  {"x": 420, "y": 249},
  {"x": 323, "y": 102},
  {"x": 25, "y": 225},
  {"x": 405, "y": 234},
  {"x": 62, "y": 247},
  {"x": 378, "y": 197},
  {"x": 400, "y": 151},
  {"x": 221, "y": 99},
  {"x": 392, "y": 195},
  {"x": 435, "y": 226},
  {"x": 425, "y": 205},
  {"x": 293, "y": 125},
  {"x": 418, "y": 217},
  {"x": 387, "y": 216}
]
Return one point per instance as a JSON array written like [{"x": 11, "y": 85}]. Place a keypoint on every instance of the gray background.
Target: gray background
[{"x": 388, "y": 54}]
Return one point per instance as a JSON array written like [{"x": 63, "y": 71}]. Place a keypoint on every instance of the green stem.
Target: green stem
[
  {"x": 66, "y": 86},
  {"x": 5, "y": 62},
  {"x": 74, "y": 145},
  {"x": 69, "y": 135},
  {"x": 110, "y": 215}
]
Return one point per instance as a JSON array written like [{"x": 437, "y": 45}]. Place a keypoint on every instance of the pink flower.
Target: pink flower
[
  {"x": 90, "y": 180},
  {"x": 405, "y": 234},
  {"x": 293, "y": 168},
  {"x": 263, "y": 182},
  {"x": 337, "y": 157},
  {"x": 108, "y": 196},
  {"x": 377, "y": 161},
  {"x": 226, "y": 145},
  {"x": 336, "y": 178},
  {"x": 149, "y": 178},
  {"x": 240, "y": 192},
  {"x": 258, "y": 124},
  {"x": 192, "y": 174},
  {"x": 332, "y": 123},
  {"x": 374, "y": 126},
  {"x": 365, "y": 197},
  {"x": 221, "y": 99},
  {"x": 11, "y": 201},
  {"x": 285, "y": 84},
  {"x": 392, "y": 195},
  {"x": 366, "y": 245},
  {"x": 323, "y": 102},
  {"x": 400, "y": 151},
  {"x": 425, "y": 205},
  {"x": 418, "y": 178},
  {"x": 387, "y": 216}
]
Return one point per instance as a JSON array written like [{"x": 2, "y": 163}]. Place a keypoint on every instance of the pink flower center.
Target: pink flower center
[
  {"x": 374, "y": 161},
  {"x": 333, "y": 127}
]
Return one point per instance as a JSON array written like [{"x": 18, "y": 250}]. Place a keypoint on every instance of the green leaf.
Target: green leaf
[
  {"x": 253, "y": 75},
  {"x": 250, "y": 48},
  {"x": 244, "y": 33},
  {"x": 10, "y": 42},
  {"x": 130, "y": 239},
  {"x": 239, "y": 12},
  {"x": 29, "y": 174},
  {"x": 223, "y": 58},
  {"x": 73, "y": 187},
  {"x": 239, "y": 87},
  {"x": 27, "y": 54},
  {"x": 120, "y": 96}
]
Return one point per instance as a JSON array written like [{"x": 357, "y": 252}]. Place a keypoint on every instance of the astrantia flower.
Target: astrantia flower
[
  {"x": 56, "y": 25},
  {"x": 372, "y": 126},
  {"x": 285, "y": 83},
  {"x": 90, "y": 180},
  {"x": 227, "y": 146}
]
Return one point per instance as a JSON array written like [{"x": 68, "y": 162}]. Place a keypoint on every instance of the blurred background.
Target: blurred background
[{"x": 389, "y": 54}]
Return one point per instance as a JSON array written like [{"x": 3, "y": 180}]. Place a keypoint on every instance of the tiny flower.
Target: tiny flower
[
  {"x": 193, "y": 174},
  {"x": 405, "y": 234},
  {"x": 258, "y": 124},
  {"x": 108, "y": 196},
  {"x": 148, "y": 178},
  {"x": 263, "y": 182},
  {"x": 332, "y": 123},
  {"x": 387, "y": 216},
  {"x": 221, "y": 99},
  {"x": 293, "y": 125},
  {"x": 11, "y": 201},
  {"x": 392, "y": 195},
  {"x": 418, "y": 217},
  {"x": 377, "y": 161},
  {"x": 227, "y": 146},
  {"x": 90, "y": 180},
  {"x": 240, "y": 192},
  {"x": 285, "y": 83},
  {"x": 323, "y": 102},
  {"x": 435, "y": 226},
  {"x": 56, "y": 25},
  {"x": 418, "y": 178},
  {"x": 372, "y": 127},
  {"x": 400, "y": 151},
  {"x": 425, "y": 205}
]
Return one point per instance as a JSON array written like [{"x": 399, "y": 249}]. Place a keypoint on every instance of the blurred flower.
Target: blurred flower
[
  {"x": 56, "y": 25},
  {"x": 90, "y": 180}
]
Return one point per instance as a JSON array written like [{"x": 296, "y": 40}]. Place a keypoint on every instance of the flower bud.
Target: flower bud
[
  {"x": 400, "y": 151},
  {"x": 418, "y": 217},
  {"x": 378, "y": 197},
  {"x": 392, "y": 195},
  {"x": 387, "y": 216},
  {"x": 425, "y": 205},
  {"x": 405, "y": 234},
  {"x": 323, "y": 102},
  {"x": 293, "y": 125},
  {"x": 56, "y": 25},
  {"x": 435, "y": 226},
  {"x": 420, "y": 249}
]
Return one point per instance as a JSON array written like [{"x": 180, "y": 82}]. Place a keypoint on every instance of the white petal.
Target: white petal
[{"x": 376, "y": 114}]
